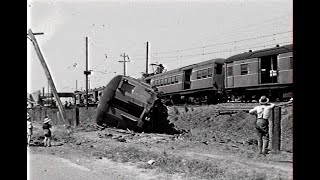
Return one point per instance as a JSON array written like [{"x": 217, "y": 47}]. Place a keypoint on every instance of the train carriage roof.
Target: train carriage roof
[
  {"x": 217, "y": 60},
  {"x": 260, "y": 53}
]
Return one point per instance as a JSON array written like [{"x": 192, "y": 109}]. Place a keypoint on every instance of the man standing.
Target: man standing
[
  {"x": 29, "y": 129},
  {"x": 262, "y": 123}
]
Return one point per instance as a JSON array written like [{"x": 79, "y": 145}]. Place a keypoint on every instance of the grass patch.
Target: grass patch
[{"x": 187, "y": 167}]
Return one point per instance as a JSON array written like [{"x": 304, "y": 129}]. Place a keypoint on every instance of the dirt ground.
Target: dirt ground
[{"x": 214, "y": 146}]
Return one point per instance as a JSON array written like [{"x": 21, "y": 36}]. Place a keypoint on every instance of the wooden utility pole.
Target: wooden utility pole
[
  {"x": 147, "y": 58},
  {"x": 48, "y": 97},
  {"x": 124, "y": 62},
  {"x": 48, "y": 75},
  {"x": 276, "y": 129},
  {"x": 86, "y": 72}
]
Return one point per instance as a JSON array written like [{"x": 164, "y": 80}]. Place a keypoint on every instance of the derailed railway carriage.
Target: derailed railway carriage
[
  {"x": 129, "y": 103},
  {"x": 263, "y": 72}
]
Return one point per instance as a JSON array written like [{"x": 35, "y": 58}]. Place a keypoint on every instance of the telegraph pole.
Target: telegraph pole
[
  {"x": 48, "y": 98},
  {"x": 124, "y": 62},
  {"x": 30, "y": 36},
  {"x": 147, "y": 57},
  {"x": 89, "y": 83},
  {"x": 86, "y": 72},
  {"x": 76, "y": 85}
]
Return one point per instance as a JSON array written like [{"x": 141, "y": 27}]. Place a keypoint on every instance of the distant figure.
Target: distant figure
[
  {"x": 29, "y": 129},
  {"x": 262, "y": 113},
  {"x": 160, "y": 69},
  {"x": 47, "y": 131},
  {"x": 69, "y": 105},
  {"x": 66, "y": 105}
]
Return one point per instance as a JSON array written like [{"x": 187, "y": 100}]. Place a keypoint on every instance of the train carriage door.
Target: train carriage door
[
  {"x": 229, "y": 75},
  {"x": 187, "y": 79},
  {"x": 269, "y": 69},
  {"x": 285, "y": 67}
]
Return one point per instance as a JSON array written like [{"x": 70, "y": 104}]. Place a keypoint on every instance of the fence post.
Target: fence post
[{"x": 276, "y": 130}]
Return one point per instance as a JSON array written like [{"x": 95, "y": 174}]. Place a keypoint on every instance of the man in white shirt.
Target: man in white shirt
[{"x": 262, "y": 124}]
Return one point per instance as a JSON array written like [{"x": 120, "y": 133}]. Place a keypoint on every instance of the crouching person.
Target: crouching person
[
  {"x": 47, "y": 132},
  {"x": 262, "y": 113}
]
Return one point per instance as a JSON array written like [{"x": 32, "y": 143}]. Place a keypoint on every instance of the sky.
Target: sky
[{"x": 179, "y": 33}]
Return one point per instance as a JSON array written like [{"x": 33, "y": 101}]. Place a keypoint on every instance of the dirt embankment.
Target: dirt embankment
[
  {"x": 214, "y": 146},
  {"x": 207, "y": 124}
]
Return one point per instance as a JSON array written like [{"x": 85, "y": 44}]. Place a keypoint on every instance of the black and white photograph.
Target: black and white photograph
[{"x": 160, "y": 89}]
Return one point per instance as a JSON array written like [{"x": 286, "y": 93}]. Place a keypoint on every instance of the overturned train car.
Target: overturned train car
[{"x": 128, "y": 103}]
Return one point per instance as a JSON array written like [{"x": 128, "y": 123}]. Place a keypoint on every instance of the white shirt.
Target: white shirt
[{"x": 262, "y": 111}]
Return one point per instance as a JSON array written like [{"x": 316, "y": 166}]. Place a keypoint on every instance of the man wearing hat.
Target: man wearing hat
[
  {"x": 262, "y": 113},
  {"x": 47, "y": 131}
]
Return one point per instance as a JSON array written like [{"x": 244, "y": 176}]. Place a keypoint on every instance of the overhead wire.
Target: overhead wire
[
  {"x": 223, "y": 51},
  {"x": 261, "y": 24},
  {"x": 236, "y": 41},
  {"x": 208, "y": 42},
  {"x": 249, "y": 30}
]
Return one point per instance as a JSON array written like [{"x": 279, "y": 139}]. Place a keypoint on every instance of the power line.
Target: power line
[
  {"x": 212, "y": 45},
  {"x": 237, "y": 41},
  {"x": 252, "y": 25},
  {"x": 223, "y": 51}
]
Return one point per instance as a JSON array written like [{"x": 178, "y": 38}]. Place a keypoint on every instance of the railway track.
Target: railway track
[{"x": 229, "y": 109}]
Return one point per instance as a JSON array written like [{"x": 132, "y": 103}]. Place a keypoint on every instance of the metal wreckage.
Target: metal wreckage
[{"x": 127, "y": 103}]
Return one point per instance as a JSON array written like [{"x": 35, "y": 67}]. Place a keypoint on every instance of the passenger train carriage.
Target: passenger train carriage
[
  {"x": 242, "y": 77},
  {"x": 263, "y": 72},
  {"x": 201, "y": 81}
]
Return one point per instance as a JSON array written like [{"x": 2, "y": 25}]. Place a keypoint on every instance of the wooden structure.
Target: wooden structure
[{"x": 48, "y": 75}]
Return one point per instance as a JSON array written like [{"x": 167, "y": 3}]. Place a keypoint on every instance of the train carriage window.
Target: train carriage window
[
  {"x": 172, "y": 80},
  {"x": 161, "y": 82},
  {"x": 230, "y": 71},
  {"x": 126, "y": 87},
  {"x": 141, "y": 92},
  {"x": 210, "y": 72},
  {"x": 204, "y": 73},
  {"x": 165, "y": 81},
  {"x": 218, "y": 69},
  {"x": 169, "y": 80},
  {"x": 199, "y": 74},
  {"x": 244, "y": 69},
  {"x": 291, "y": 62},
  {"x": 176, "y": 80}
]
